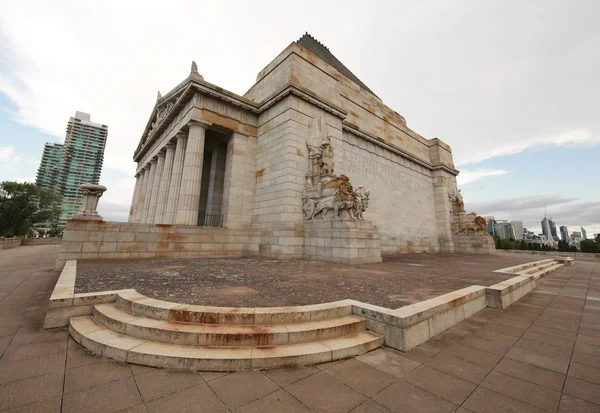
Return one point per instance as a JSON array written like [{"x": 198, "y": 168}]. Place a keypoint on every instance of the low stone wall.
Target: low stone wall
[
  {"x": 41, "y": 241},
  {"x": 112, "y": 240},
  {"x": 581, "y": 256},
  {"x": 7, "y": 243}
]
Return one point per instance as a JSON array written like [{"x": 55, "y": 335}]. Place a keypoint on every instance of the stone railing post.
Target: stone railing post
[{"x": 92, "y": 194}]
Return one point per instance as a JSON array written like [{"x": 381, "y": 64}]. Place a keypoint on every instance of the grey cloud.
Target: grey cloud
[{"x": 530, "y": 210}]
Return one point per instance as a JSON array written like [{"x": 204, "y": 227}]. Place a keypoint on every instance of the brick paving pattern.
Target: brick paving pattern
[
  {"x": 255, "y": 282},
  {"x": 540, "y": 354}
]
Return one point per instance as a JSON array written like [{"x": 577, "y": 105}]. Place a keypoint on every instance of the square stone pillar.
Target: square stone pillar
[
  {"x": 134, "y": 199},
  {"x": 238, "y": 187},
  {"x": 189, "y": 194},
  {"x": 175, "y": 183},
  {"x": 150, "y": 170},
  {"x": 155, "y": 186},
  {"x": 163, "y": 189},
  {"x": 443, "y": 210}
]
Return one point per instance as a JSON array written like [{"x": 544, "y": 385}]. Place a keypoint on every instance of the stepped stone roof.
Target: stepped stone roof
[{"x": 322, "y": 52}]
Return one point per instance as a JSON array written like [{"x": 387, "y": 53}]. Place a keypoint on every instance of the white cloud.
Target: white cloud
[
  {"x": 573, "y": 138},
  {"x": 467, "y": 177},
  {"x": 6, "y": 153}
]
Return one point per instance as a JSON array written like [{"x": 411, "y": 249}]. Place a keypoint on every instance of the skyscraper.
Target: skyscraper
[
  {"x": 518, "y": 226},
  {"x": 48, "y": 175},
  {"x": 80, "y": 162},
  {"x": 546, "y": 228},
  {"x": 583, "y": 233},
  {"x": 553, "y": 228},
  {"x": 564, "y": 233}
]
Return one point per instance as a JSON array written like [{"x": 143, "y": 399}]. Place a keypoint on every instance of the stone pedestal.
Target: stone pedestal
[
  {"x": 92, "y": 194},
  {"x": 341, "y": 241}
]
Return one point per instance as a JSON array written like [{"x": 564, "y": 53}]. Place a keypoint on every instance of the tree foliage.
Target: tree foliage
[{"x": 24, "y": 206}]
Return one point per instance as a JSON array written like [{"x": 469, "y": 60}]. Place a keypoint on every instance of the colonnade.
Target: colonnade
[{"x": 167, "y": 189}]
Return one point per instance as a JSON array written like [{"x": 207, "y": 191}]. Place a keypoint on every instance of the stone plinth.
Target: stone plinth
[
  {"x": 474, "y": 244},
  {"x": 92, "y": 194},
  {"x": 341, "y": 241}
]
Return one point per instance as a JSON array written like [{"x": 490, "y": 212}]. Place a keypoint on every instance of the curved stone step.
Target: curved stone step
[
  {"x": 122, "y": 322},
  {"x": 103, "y": 341},
  {"x": 140, "y": 305}
]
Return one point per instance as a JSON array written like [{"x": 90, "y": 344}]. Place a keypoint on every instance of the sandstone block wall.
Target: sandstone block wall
[{"x": 7, "y": 243}]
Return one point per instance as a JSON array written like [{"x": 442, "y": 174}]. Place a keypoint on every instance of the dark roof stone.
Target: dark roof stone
[{"x": 321, "y": 51}]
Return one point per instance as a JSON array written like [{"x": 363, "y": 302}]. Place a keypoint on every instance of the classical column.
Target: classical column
[
  {"x": 137, "y": 213},
  {"x": 134, "y": 198},
  {"x": 175, "y": 184},
  {"x": 155, "y": 186},
  {"x": 163, "y": 189},
  {"x": 148, "y": 189},
  {"x": 189, "y": 193}
]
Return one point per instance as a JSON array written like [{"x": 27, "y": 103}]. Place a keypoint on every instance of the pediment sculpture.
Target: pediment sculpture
[{"x": 324, "y": 190}]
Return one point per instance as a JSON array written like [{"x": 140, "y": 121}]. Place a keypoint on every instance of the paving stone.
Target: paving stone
[
  {"x": 277, "y": 402},
  {"x": 283, "y": 377},
  {"x": 404, "y": 397},
  {"x": 325, "y": 366},
  {"x": 237, "y": 389},
  {"x": 570, "y": 404},
  {"x": 467, "y": 326},
  {"x": 484, "y": 400},
  {"x": 78, "y": 356},
  {"x": 490, "y": 346},
  {"x": 584, "y": 372},
  {"x": 532, "y": 374},
  {"x": 583, "y": 389},
  {"x": 460, "y": 368},
  {"x": 38, "y": 335},
  {"x": 323, "y": 393},
  {"x": 192, "y": 400},
  {"x": 109, "y": 397},
  {"x": 448, "y": 387},
  {"x": 91, "y": 375},
  {"x": 449, "y": 337},
  {"x": 32, "y": 367},
  {"x": 544, "y": 361},
  {"x": 524, "y": 391},
  {"x": 585, "y": 346},
  {"x": 31, "y": 390},
  {"x": 567, "y": 343},
  {"x": 140, "y": 408},
  {"x": 160, "y": 382},
  {"x": 390, "y": 361},
  {"x": 589, "y": 332},
  {"x": 370, "y": 406},
  {"x": 420, "y": 354},
  {"x": 137, "y": 369},
  {"x": 498, "y": 334},
  {"x": 473, "y": 355},
  {"x": 26, "y": 351},
  {"x": 361, "y": 377},
  {"x": 211, "y": 375},
  {"x": 52, "y": 405}
]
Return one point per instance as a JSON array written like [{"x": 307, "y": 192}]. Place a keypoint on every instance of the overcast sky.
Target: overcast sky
[{"x": 513, "y": 87}]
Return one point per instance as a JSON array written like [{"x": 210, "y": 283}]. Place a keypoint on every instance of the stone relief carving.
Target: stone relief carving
[
  {"x": 324, "y": 190},
  {"x": 462, "y": 223},
  {"x": 160, "y": 115}
]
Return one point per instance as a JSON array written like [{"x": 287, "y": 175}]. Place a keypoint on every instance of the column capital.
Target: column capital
[
  {"x": 171, "y": 145},
  {"x": 195, "y": 123}
]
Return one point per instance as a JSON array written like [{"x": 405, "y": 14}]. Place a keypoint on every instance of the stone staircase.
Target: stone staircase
[
  {"x": 543, "y": 268},
  {"x": 150, "y": 332}
]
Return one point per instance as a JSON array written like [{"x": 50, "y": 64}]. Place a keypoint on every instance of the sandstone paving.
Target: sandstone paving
[{"x": 540, "y": 354}]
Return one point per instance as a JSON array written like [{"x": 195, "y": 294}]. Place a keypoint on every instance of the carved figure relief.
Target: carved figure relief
[{"x": 324, "y": 190}]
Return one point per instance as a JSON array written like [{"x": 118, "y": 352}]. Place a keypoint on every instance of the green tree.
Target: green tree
[
  {"x": 589, "y": 245},
  {"x": 24, "y": 206}
]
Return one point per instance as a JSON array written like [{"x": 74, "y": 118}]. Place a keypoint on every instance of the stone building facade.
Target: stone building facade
[{"x": 209, "y": 157}]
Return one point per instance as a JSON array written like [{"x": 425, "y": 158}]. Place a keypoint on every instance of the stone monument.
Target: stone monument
[{"x": 308, "y": 163}]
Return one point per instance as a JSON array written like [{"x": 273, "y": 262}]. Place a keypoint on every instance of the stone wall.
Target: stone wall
[
  {"x": 113, "y": 240},
  {"x": 41, "y": 241},
  {"x": 474, "y": 244},
  {"x": 7, "y": 243}
]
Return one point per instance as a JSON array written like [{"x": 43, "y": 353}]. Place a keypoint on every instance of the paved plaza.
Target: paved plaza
[{"x": 540, "y": 354}]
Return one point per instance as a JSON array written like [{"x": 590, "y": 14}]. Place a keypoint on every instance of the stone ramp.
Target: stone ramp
[{"x": 141, "y": 330}]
